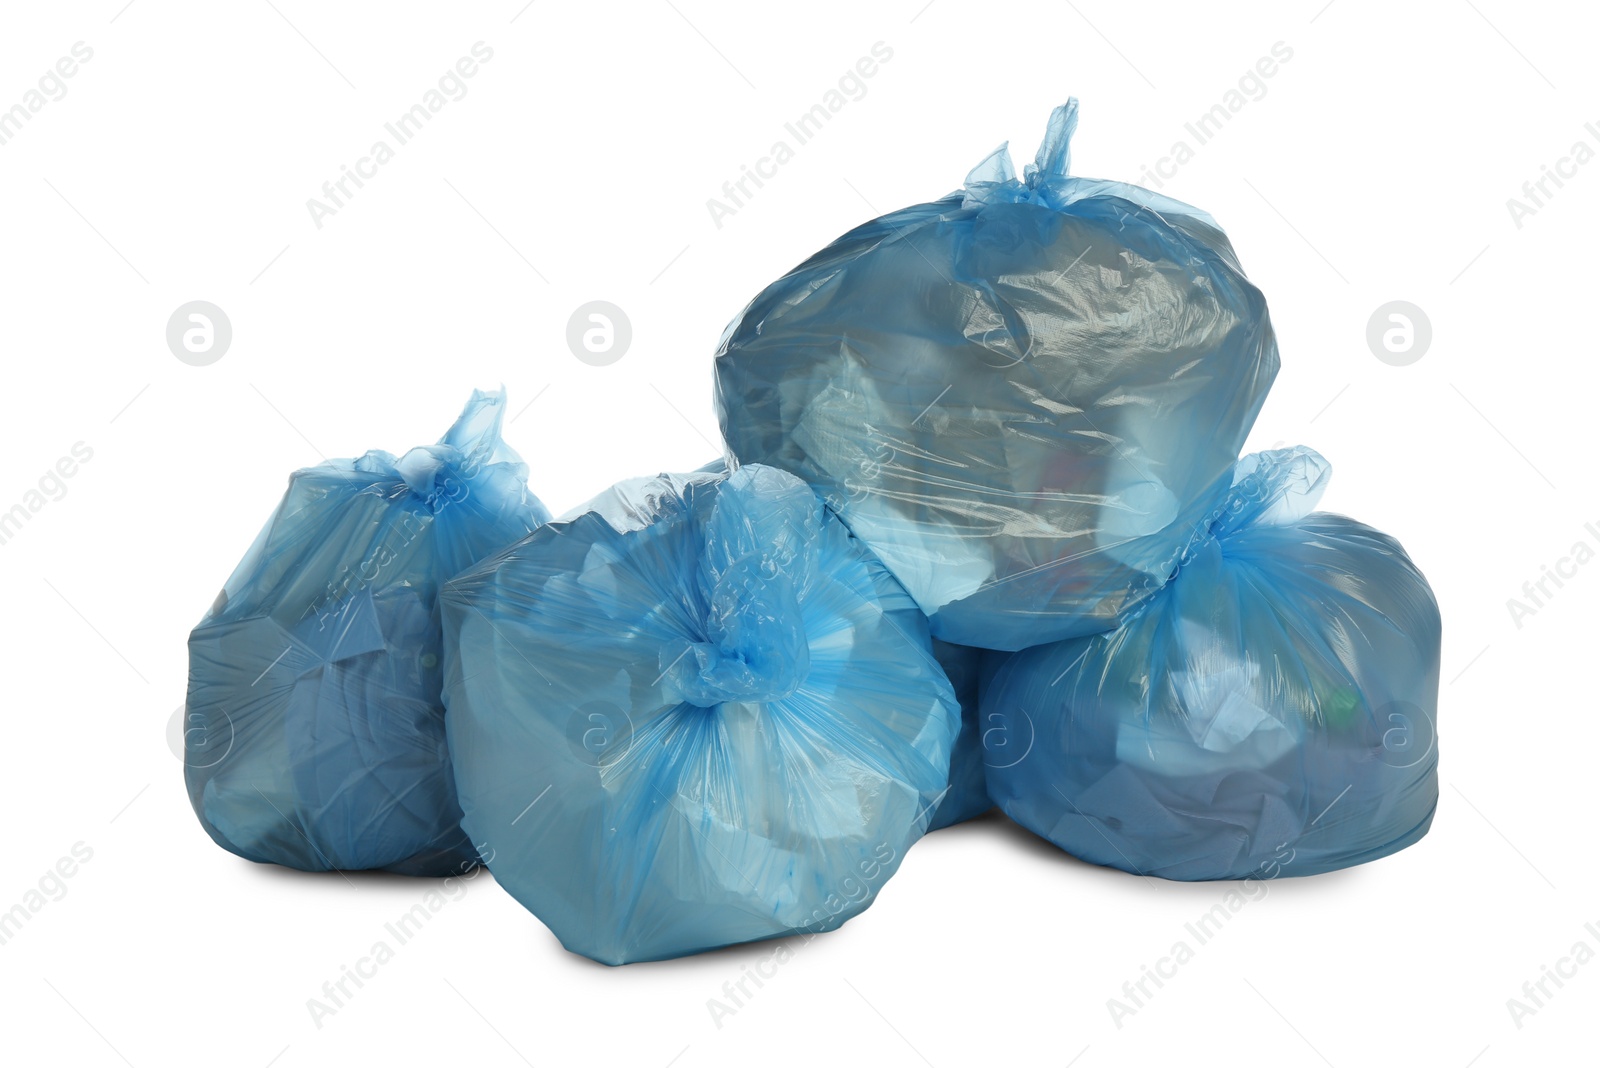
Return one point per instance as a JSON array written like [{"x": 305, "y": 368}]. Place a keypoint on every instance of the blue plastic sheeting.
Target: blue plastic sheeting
[
  {"x": 1021, "y": 397},
  {"x": 693, "y": 713},
  {"x": 314, "y": 727},
  {"x": 968, "y": 795},
  {"x": 1270, "y": 712}
]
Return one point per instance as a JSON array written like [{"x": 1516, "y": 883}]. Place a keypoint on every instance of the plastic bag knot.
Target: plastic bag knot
[
  {"x": 994, "y": 181},
  {"x": 1271, "y": 488},
  {"x": 760, "y": 549}
]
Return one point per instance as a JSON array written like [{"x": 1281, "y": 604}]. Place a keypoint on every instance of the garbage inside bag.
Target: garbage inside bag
[
  {"x": 1021, "y": 397},
  {"x": 695, "y": 712},
  {"x": 315, "y": 724},
  {"x": 1271, "y": 711},
  {"x": 968, "y": 795}
]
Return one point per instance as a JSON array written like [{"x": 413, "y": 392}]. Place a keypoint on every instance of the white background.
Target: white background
[{"x": 1377, "y": 166}]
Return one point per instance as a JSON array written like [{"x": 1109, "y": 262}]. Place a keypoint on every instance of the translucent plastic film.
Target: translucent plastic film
[{"x": 968, "y": 795}]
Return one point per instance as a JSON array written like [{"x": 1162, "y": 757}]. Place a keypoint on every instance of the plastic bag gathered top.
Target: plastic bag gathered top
[
  {"x": 1270, "y": 712},
  {"x": 694, "y": 712},
  {"x": 1022, "y": 397},
  {"x": 314, "y": 723}
]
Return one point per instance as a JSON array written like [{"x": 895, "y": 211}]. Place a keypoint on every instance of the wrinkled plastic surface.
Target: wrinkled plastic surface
[
  {"x": 314, "y": 730},
  {"x": 1020, "y": 396},
  {"x": 1271, "y": 712},
  {"x": 695, "y": 712},
  {"x": 968, "y": 795}
]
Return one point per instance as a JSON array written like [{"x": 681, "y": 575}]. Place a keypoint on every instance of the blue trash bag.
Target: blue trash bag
[
  {"x": 1270, "y": 712},
  {"x": 315, "y": 723},
  {"x": 968, "y": 795},
  {"x": 692, "y": 713},
  {"x": 1021, "y": 397}
]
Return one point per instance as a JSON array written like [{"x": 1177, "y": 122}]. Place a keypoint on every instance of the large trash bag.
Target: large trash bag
[
  {"x": 1020, "y": 396},
  {"x": 315, "y": 724},
  {"x": 692, "y": 713},
  {"x": 968, "y": 795},
  {"x": 1270, "y": 712}
]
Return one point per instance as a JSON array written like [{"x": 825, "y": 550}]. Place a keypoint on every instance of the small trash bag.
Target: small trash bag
[
  {"x": 1271, "y": 711},
  {"x": 968, "y": 795},
  {"x": 315, "y": 724},
  {"x": 692, "y": 713},
  {"x": 1021, "y": 397}
]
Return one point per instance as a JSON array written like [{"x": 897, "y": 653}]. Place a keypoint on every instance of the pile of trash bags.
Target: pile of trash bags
[{"x": 981, "y": 537}]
